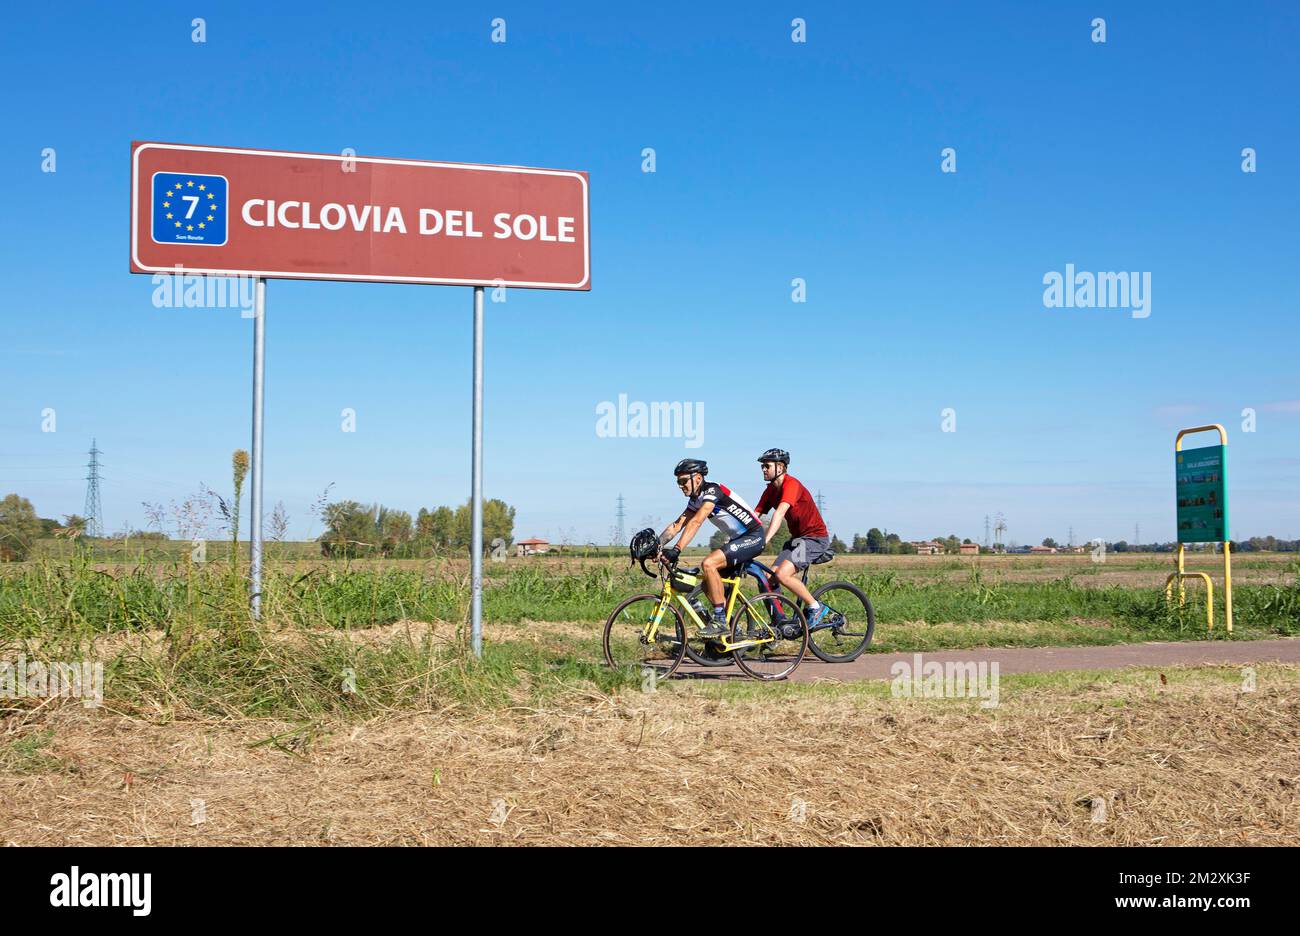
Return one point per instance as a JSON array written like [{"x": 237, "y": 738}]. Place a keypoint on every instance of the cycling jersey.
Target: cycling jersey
[
  {"x": 730, "y": 514},
  {"x": 803, "y": 518}
]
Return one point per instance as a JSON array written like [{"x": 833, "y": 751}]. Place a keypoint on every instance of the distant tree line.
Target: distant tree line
[
  {"x": 891, "y": 544},
  {"x": 875, "y": 541},
  {"x": 20, "y": 528},
  {"x": 353, "y": 529}
]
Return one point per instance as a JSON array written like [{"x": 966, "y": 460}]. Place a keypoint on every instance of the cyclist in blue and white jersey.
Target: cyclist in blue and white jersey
[{"x": 709, "y": 500}]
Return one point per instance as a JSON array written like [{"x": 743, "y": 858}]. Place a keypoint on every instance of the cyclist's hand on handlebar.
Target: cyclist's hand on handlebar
[{"x": 670, "y": 553}]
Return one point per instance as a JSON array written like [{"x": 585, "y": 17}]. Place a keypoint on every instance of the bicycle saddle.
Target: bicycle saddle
[{"x": 824, "y": 557}]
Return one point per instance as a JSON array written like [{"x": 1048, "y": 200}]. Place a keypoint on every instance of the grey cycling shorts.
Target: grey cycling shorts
[{"x": 803, "y": 551}]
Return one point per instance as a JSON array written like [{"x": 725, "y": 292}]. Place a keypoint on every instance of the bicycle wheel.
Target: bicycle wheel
[
  {"x": 626, "y": 646},
  {"x": 780, "y": 647},
  {"x": 850, "y": 621}
]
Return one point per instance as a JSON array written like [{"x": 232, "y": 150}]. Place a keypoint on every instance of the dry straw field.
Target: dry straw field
[
  {"x": 1078, "y": 759},
  {"x": 219, "y": 730}
]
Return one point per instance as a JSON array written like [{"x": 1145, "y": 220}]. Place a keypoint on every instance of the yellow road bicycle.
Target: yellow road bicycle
[{"x": 659, "y": 631}]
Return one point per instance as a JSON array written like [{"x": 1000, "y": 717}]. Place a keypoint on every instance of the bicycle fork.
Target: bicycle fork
[{"x": 652, "y": 628}]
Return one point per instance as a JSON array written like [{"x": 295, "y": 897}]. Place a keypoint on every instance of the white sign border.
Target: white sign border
[{"x": 354, "y": 277}]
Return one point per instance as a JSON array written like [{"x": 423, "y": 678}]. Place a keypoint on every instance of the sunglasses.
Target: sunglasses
[{"x": 683, "y": 482}]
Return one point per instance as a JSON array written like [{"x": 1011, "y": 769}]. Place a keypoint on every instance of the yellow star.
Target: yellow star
[
  {"x": 214, "y": 207},
  {"x": 202, "y": 187},
  {"x": 167, "y": 204},
  {"x": 169, "y": 216},
  {"x": 202, "y": 225},
  {"x": 209, "y": 194},
  {"x": 190, "y": 183},
  {"x": 169, "y": 194},
  {"x": 178, "y": 224},
  {"x": 210, "y": 218},
  {"x": 189, "y": 227}
]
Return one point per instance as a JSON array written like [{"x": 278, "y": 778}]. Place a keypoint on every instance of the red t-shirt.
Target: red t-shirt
[{"x": 803, "y": 518}]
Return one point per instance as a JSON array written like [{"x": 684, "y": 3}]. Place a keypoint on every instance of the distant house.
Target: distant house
[
  {"x": 1042, "y": 550},
  {"x": 930, "y": 548},
  {"x": 532, "y": 547},
  {"x": 970, "y": 549}
]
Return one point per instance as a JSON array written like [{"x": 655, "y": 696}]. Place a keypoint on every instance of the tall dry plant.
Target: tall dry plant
[{"x": 239, "y": 465}]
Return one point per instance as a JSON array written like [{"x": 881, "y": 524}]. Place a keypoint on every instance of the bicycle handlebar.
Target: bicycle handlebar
[{"x": 658, "y": 557}]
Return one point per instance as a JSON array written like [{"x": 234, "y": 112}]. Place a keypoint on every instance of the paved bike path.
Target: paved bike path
[{"x": 1054, "y": 659}]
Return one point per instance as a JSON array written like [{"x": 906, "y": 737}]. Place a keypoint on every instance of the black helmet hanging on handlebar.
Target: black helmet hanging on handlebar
[
  {"x": 645, "y": 545},
  {"x": 691, "y": 466},
  {"x": 776, "y": 455}
]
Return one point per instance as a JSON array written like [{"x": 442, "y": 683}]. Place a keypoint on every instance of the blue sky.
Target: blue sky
[{"x": 774, "y": 160}]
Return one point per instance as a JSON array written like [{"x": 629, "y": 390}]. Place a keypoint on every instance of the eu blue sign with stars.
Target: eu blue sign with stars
[{"x": 189, "y": 208}]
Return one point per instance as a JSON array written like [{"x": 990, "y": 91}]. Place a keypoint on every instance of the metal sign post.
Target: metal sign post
[
  {"x": 255, "y": 511},
  {"x": 476, "y": 486}
]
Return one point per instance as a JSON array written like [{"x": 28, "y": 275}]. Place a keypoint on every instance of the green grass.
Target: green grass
[
  {"x": 1127, "y": 613},
  {"x": 27, "y": 755},
  {"x": 72, "y": 595},
  {"x": 255, "y": 673},
  {"x": 204, "y": 654}
]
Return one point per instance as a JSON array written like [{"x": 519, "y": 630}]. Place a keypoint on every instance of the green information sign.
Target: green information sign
[{"x": 1201, "y": 486}]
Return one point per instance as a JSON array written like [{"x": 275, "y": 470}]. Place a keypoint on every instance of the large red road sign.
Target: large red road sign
[{"x": 227, "y": 211}]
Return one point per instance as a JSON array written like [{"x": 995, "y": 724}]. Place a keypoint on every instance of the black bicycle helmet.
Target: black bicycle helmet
[
  {"x": 776, "y": 455},
  {"x": 691, "y": 466},
  {"x": 645, "y": 545}
]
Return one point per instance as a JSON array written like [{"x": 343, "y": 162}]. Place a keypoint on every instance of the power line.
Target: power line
[{"x": 39, "y": 480}]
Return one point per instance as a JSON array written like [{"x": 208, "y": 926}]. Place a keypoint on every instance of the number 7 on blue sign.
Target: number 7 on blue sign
[{"x": 189, "y": 208}]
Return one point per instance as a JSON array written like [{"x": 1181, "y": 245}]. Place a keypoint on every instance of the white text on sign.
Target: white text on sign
[{"x": 263, "y": 212}]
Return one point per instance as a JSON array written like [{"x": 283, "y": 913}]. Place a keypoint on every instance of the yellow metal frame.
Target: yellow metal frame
[
  {"x": 1181, "y": 574},
  {"x": 669, "y": 594}
]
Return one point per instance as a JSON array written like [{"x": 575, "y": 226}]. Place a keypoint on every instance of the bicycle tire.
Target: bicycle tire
[
  {"x": 671, "y": 652},
  {"x": 862, "y": 630},
  {"x": 789, "y": 652}
]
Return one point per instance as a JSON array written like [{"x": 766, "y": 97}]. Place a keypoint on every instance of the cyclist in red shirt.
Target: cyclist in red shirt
[{"x": 809, "y": 539}]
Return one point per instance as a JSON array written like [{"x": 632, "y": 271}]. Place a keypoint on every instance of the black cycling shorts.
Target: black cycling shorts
[{"x": 744, "y": 547}]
